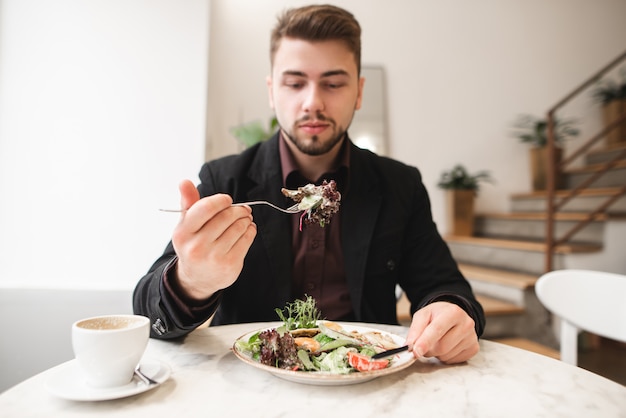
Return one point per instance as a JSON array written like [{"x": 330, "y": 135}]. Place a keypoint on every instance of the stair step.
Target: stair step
[
  {"x": 615, "y": 145},
  {"x": 522, "y": 245},
  {"x": 503, "y": 277},
  {"x": 514, "y": 255},
  {"x": 494, "y": 307},
  {"x": 541, "y": 194},
  {"x": 603, "y": 155},
  {"x": 529, "y": 345},
  {"x": 614, "y": 177},
  {"x": 491, "y": 306},
  {"x": 594, "y": 168},
  {"x": 541, "y": 216},
  {"x": 504, "y": 285},
  {"x": 588, "y": 200},
  {"x": 532, "y": 226}
]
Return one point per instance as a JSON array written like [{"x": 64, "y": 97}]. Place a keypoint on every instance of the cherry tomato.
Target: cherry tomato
[{"x": 365, "y": 363}]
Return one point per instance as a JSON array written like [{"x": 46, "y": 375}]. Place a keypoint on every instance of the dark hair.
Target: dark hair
[{"x": 318, "y": 23}]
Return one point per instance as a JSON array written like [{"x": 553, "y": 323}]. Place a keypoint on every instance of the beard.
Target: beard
[{"x": 313, "y": 146}]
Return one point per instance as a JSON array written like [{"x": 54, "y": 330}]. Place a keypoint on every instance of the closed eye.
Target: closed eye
[
  {"x": 295, "y": 86},
  {"x": 334, "y": 85}
]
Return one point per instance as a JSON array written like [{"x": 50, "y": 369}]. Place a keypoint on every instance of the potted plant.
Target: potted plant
[
  {"x": 612, "y": 97},
  {"x": 534, "y": 131},
  {"x": 253, "y": 132},
  {"x": 461, "y": 190}
]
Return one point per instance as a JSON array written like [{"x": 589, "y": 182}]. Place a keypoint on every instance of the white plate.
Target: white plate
[
  {"x": 67, "y": 382},
  {"x": 399, "y": 362}
]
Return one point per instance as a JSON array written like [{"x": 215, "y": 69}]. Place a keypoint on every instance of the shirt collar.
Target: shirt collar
[{"x": 288, "y": 162}]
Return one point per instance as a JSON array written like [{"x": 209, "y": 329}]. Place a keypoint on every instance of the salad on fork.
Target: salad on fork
[{"x": 318, "y": 203}]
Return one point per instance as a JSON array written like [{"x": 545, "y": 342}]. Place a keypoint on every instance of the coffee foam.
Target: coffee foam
[{"x": 107, "y": 323}]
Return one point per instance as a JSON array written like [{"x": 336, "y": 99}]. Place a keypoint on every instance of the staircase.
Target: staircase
[
  {"x": 548, "y": 230},
  {"x": 506, "y": 255}
]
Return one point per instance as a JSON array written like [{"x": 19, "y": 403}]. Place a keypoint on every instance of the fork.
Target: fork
[{"x": 290, "y": 209}]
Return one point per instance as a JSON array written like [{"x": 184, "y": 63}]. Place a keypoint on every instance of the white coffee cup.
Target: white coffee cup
[{"x": 108, "y": 348}]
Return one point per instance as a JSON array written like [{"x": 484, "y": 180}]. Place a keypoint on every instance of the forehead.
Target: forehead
[{"x": 313, "y": 58}]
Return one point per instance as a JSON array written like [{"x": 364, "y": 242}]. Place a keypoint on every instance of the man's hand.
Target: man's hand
[
  {"x": 443, "y": 330},
  {"x": 211, "y": 241}
]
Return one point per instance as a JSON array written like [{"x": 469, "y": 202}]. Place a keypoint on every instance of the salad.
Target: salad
[
  {"x": 318, "y": 203},
  {"x": 306, "y": 343}
]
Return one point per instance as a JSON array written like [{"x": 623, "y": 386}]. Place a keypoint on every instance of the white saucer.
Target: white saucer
[{"x": 67, "y": 382}]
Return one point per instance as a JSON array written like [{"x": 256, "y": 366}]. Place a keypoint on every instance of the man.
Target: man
[{"x": 240, "y": 263}]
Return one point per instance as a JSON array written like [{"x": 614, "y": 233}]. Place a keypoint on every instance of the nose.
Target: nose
[{"x": 313, "y": 100}]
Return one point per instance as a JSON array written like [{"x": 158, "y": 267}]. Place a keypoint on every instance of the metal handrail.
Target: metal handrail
[{"x": 554, "y": 170}]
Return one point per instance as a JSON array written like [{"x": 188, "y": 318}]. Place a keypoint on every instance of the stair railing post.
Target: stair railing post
[{"x": 550, "y": 192}]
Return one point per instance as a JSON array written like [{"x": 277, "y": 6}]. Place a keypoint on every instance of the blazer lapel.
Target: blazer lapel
[
  {"x": 359, "y": 211},
  {"x": 273, "y": 226}
]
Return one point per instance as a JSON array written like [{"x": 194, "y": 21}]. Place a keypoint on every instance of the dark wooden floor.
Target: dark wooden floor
[{"x": 606, "y": 358}]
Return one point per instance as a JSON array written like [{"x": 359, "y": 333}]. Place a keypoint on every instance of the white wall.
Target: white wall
[
  {"x": 102, "y": 113},
  {"x": 458, "y": 74},
  {"x": 39, "y": 332}
]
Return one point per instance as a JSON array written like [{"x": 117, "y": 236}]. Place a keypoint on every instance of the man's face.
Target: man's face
[{"x": 314, "y": 90}]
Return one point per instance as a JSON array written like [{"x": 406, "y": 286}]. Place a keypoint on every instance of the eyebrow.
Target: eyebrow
[{"x": 326, "y": 74}]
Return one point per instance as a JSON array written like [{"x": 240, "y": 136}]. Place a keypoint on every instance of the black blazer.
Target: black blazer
[{"x": 388, "y": 238}]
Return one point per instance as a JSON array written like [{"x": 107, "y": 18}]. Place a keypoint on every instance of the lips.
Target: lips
[{"x": 314, "y": 128}]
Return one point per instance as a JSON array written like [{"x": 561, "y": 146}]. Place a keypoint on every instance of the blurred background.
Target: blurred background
[{"x": 106, "y": 105}]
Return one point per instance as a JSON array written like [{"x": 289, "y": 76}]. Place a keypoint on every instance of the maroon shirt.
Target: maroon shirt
[{"x": 318, "y": 265}]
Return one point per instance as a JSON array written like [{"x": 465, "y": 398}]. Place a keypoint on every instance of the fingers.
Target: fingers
[
  {"x": 445, "y": 331},
  {"x": 211, "y": 224},
  {"x": 228, "y": 224},
  {"x": 188, "y": 194},
  {"x": 431, "y": 326},
  {"x": 420, "y": 321},
  {"x": 457, "y": 345},
  {"x": 211, "y": 257},
  {"x": 462, "y": 352},
  {"x": 211, "y": 240},
  {"x": 197, "y": 212},
  {"x": 206, "y": 209},
  {"x": 239, "y": 236},
  {"x": 212, "y": 228}
]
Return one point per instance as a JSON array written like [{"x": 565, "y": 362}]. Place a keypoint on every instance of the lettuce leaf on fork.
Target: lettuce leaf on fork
[{"x": 318, "y": 203}]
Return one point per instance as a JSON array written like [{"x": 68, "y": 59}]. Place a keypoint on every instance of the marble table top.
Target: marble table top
[{"x": 207, "y": 379}]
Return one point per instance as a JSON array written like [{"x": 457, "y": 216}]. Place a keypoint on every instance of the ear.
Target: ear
[
  {"x": 268, "y": 82},
  {"x": 359, "y": 97}
]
